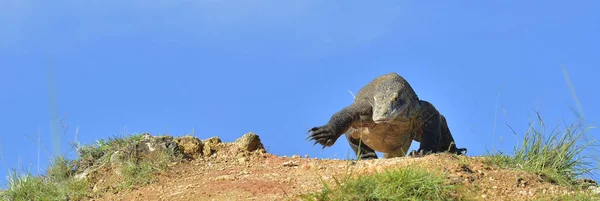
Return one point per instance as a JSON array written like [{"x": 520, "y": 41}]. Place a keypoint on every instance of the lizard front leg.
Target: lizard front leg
[{"x": 338, "y": 124}]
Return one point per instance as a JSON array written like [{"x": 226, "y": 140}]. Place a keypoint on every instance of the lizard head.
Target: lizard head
[{"x": 391, "y": 100}]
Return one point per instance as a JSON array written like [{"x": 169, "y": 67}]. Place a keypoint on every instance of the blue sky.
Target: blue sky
[{"x": 278, "y": 68}]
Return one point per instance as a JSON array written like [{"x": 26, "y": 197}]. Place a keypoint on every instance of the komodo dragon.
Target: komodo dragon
[{"x": 386, "y": 116}]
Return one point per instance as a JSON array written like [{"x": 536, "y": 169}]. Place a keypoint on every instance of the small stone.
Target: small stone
[
  {"x": 587, "y": 180},
  {"x": 455, "y": 180},
  {"x": 295, "y": 156},
  {"x": 95, "y": 189},
  {"x": 225, "y": 177},
  {"x": 116, "y": 159},
  {"x": 594, "y": 189},
  {"x": 290, "y": 164}
]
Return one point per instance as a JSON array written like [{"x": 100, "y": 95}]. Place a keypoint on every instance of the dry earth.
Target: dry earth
[{"x": 230, "y": 173}]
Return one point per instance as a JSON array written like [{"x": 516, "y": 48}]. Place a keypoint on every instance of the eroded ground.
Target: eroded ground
[{"x": 263, "y": 176}]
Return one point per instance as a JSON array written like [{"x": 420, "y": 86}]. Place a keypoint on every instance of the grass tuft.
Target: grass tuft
[
  {"x": 141, "y": 171},
  {"x": 100, "y": 152},
  {"x": 408, "y": 183},
  {"x": 58, "y": 184},
  {"x": 554, "y": 154},
  {"x": 137, "y": 169}
]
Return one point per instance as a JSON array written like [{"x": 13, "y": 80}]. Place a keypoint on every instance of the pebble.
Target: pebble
[
  {"x": 290, "y": 164},
  {"x": 594, "y": 189}
]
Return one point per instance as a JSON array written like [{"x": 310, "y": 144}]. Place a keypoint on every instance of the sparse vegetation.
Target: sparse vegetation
[
  {"x": 137, "y": 168},
  {"x": 100, "y": 152},
  {"x": 556, "y": 155},
  {"x": 576, "y": 195},
  {"x": 408, "y": 183},
  {"x": 140, "y": 171},
  {"x": 58, "y": 184}
]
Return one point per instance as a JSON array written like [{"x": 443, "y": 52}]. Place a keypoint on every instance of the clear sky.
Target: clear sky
[{"x": 278, "y": 68}]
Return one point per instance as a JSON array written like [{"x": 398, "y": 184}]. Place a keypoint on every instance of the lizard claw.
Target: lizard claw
[{"x": 324, "y": 135}]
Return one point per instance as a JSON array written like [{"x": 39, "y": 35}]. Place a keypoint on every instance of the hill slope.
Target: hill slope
[
  {"x": 193, "y": 169},
  {"x": 233, "y": 173}
]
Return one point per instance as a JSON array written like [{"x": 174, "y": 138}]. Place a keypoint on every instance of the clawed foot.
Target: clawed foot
[
  {"x": 419, "y": 153},
  {"x": 461, "y": 151},
  {"x": 324, "y": 135}
]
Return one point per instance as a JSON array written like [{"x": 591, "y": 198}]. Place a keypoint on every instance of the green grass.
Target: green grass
[
  {"x": 141, "y": 171},
  {"x": 578, "y": 195},
  {"x": 138, "y": 174},
  {"x": 557, "y": 155},
  {"x": 137, "y": 170},
  {"x": 100, "y": 152},
  {"x": 408, "y": 183},
  {"x": 58, "y": 184}
]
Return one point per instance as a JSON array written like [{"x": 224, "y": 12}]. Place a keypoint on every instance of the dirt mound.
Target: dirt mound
[{"x": 242, "y": 170}]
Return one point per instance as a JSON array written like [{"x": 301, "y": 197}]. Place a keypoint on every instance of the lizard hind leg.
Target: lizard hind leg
[
  {"x": 431, "y": 130},
  {"x": 360, "y": 148},
  {"x": 447, "y": 143}
]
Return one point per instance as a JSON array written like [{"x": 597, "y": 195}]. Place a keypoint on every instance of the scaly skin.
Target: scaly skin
[{"x": 387, "y": 116}]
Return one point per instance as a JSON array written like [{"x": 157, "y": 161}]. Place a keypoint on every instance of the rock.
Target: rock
[
  {"x": 586, "y": 181},
  {"x": 521, "y": 182},
  {"x": 594, "y": 189},
  {"x": 154, "y": 143},
  {"x": 190, "y": 146},
  {"x": 225, "y": 178},
  {"x": 84, "y": 174},
  {"x": 149, "y": 144},
  {"x": 116, "y": 159},
  {"x": 290, "y": 164},
  {"x": 249, "y": 142},
  {"x": 210, "y": 145}
]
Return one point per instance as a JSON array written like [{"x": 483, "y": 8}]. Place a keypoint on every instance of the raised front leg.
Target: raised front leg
[{"x": 338, "y": 124}]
